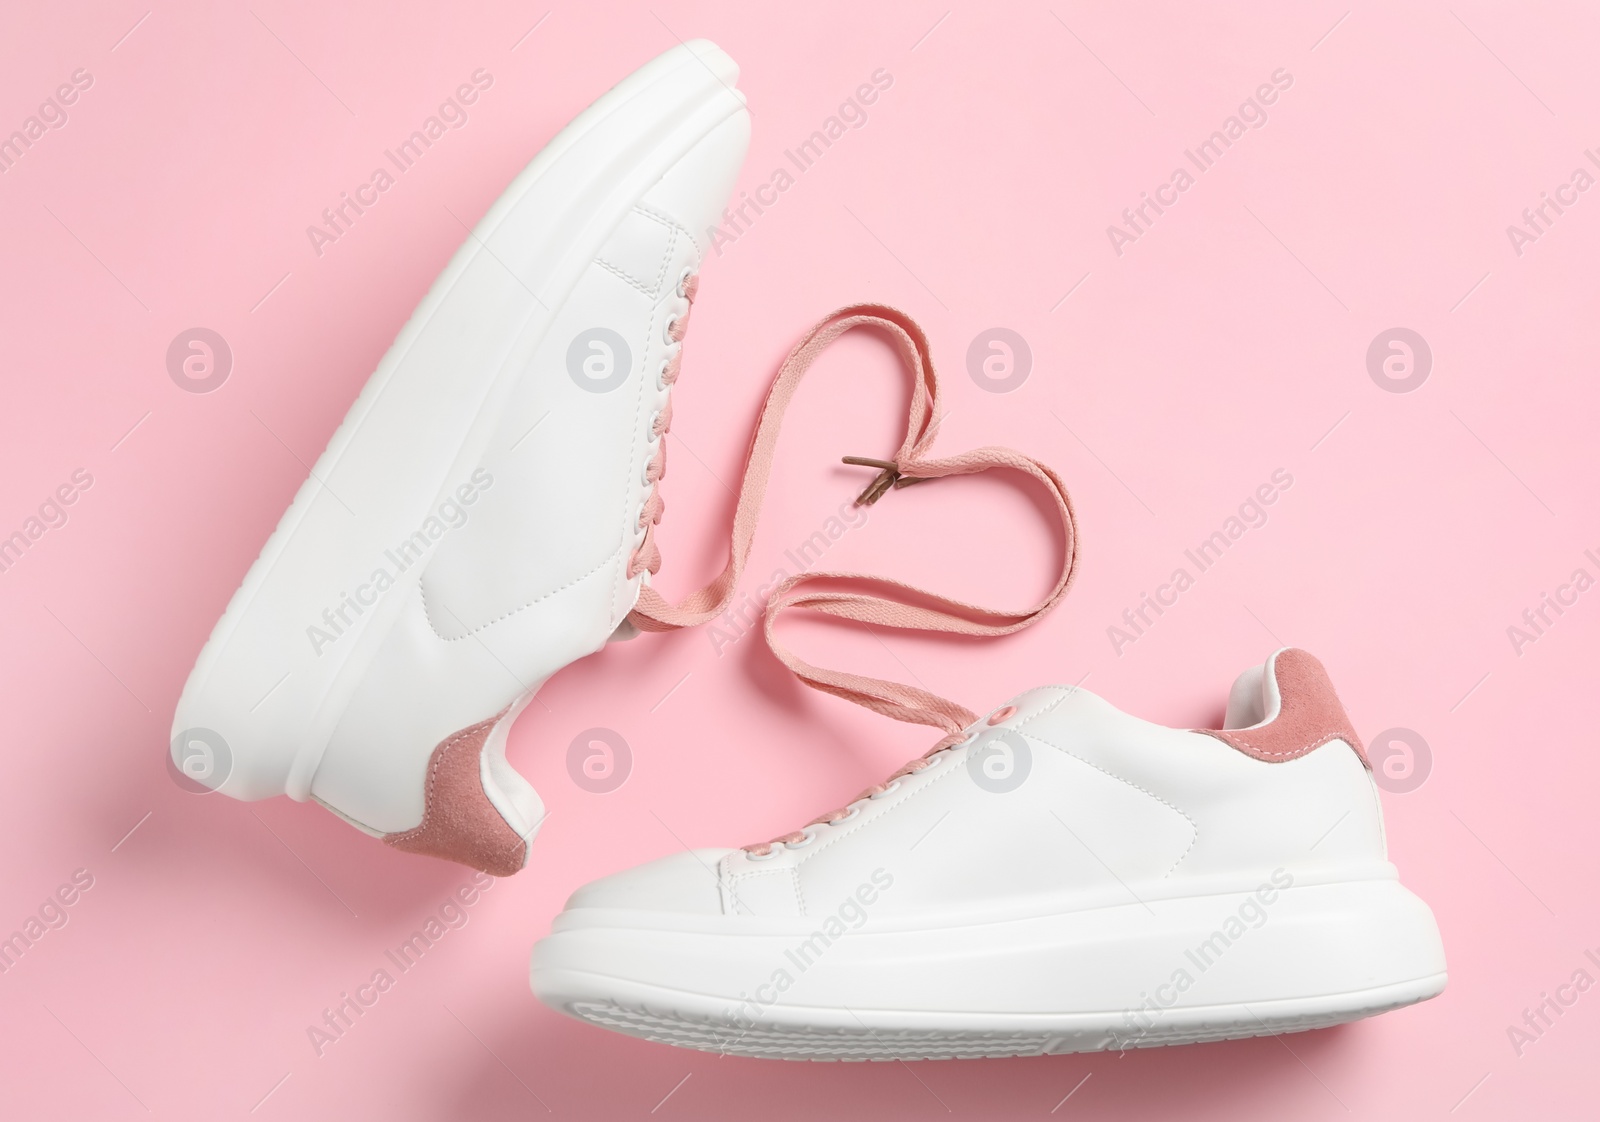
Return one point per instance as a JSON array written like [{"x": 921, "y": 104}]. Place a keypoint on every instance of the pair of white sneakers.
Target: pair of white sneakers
[{"x": 1054, "y": 876}]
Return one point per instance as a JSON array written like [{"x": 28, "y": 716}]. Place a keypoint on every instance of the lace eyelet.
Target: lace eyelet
[
  {"x": 683, "y": 278},
  {"x": 809, "y": 838},
  {"x": 767, "y": 856},
  {"x": 662, "y": 385},
  {"x": 666, "y": 331},
  {"x": 889, "y": 790},
  {"x": 851, "y": 811},
  {"x": 1001, "y": 715}
]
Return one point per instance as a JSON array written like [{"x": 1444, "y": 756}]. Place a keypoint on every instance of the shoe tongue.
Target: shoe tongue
[{"x": 1254, "y": 697}]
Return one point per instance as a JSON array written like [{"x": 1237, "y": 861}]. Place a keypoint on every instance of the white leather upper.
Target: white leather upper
[
  {"x": 1110, "y": 808},
  {"x": 537, "y": 575},
  {"x": 311, "y": 621}
]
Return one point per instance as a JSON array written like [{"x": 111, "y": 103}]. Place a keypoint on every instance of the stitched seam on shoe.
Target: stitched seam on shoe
[
  {"x": 627, "y": 277},
  {"x": 1193, "y": 825},
  {"x": 1061, "y": 692},
  {"x": 431, "y": 785},
  {"x": 673, "y": 227},
  {"x": 665, "y": 219},
  {"x": 1267, "y": 755},
  {"x": 433, "y": 782},
  {"x": 793, "y": 877},
  {"x": 428, "y": 614},
  {"x": 666, "y": 256},
  {"x": 726, "y": 891},
  {"x": 840, "y": 835},
  {"x": 1065, "y": 692}
]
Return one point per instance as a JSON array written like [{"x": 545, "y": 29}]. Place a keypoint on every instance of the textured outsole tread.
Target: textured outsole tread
[{"x": 803, "y": 1042}]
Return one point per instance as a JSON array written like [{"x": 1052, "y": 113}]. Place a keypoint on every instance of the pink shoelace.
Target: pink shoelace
[
  {"x": 858, "y": 597},
  {"x": 648, "y": 555}
]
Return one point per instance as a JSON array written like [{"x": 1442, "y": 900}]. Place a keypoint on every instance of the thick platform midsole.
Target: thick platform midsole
[{"x": 1128, "y": 963}]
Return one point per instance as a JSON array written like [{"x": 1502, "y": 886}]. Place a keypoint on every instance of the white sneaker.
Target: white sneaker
[
  {"x": 1066, "y": 878},
  {"x": 476, "y": 522}
]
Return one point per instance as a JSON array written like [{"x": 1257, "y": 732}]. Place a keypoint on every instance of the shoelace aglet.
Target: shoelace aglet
[{"x": 888, "y": 476}]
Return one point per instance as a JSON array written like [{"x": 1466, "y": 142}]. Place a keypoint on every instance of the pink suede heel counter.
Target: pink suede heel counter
[
  {"x": 459, "y": 823},
  {"x": 1310, "y": 715}
]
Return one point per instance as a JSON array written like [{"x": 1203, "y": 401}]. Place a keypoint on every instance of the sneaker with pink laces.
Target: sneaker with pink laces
[
  {"x": 1054, "y": 876},
  {"x": 483, "y": 517}
]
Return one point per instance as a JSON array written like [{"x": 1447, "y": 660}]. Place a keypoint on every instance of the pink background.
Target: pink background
[{"x": 1227, "y": 342}]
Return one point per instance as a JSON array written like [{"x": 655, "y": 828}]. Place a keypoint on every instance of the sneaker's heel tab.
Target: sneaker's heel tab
[
  {"x": 1286, "y": 708},
  {"x": 461, "y": 821}
]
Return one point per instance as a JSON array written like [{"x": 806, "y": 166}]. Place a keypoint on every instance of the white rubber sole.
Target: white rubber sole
[
  {"x": 422, "y": 422},
  {"x": 1132, "y": 976}
]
